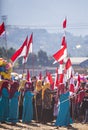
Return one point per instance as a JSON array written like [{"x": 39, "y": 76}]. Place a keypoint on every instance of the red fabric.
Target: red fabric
[
  {"x": 40, "y": 76},
  {"x": 68, "y": 64},
  {"x": 61, "y": 77},
  {"x": 14, "y": 88},
  {"x": 71, "y": 89},
  {"x": 50, "y": 78},
  {"x": 58, "y": 56},
  {"x": 57, "y": 78},
  {"x": 28, "y": 48},
  {"x": 63, "y": 43},
  {"x": 64, "y": 23},
  {"x": 61, "y": 88},
  {"x": 2, "y": 28},
  {"x": 18, "y": 53},
  {"x": 28, "y": 75}
]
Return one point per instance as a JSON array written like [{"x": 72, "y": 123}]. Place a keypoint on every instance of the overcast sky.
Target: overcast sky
[{"x": 47, "y": 14}]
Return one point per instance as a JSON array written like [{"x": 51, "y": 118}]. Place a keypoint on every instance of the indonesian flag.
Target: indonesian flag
[
  {"x": 28, "y": 49},
  {"x": 60, "y": 55},
  {"x": 20, "y": 52},
  {"x": 56, "y": 83},
  {"x": 65, "y": 23},
  {"x": 71, "y": 87},
  {"x": 78, "y": 83},
  {"x": 63, "y": 43},
  {"x": 28, "y": 76},
  {"x": 69, "y": 69},
  {"x": 61, "y": 73},
  {"x": 2, "y": 29},
  {"x": 40, "y": 76},
  {"x": 50, "y": 78}
]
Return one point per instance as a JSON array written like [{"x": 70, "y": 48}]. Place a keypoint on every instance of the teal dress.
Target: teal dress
[
  {"x": 63, "y": 117},
  {"x": 4, "y": 105},
  {"x": 13, "y": 108},
  {"x": 27, "y": 114}
]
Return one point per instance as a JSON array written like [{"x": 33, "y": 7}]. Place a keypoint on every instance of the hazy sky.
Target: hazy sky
[{"x": 47, "y": 14}]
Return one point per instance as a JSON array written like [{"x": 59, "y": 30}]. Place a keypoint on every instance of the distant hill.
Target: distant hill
[{"x": 48, "y": 42}]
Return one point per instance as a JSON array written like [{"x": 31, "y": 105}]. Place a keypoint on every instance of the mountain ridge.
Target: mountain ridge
[{"x": 49, "y": 42}]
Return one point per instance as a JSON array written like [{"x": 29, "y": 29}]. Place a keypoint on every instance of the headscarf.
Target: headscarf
[
  {"x": 5, "y": 84},
  {"x": 27, "y": 87},
  {"x": 46, "y": 86},
  {"x": 39, "y": 85},
  {"x": 14, "y": 88}
]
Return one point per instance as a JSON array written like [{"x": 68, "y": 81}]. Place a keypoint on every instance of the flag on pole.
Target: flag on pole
[
  {"x": 50, "y": 78},
  {"x": 28, "y": 76},
  {"x": 28, "y": 49},
  {"x": 56, "y": 83},
  {"x": 63, "y": 43},
  {"x": 65, "y": 23},
  {"x": 2, "y": 29},
  {"x": 60, "y": 55},
  {"x": 71, "y": 87},
  {"x": 69, "y": 69},
  {"x": 20, "y": 52},
  {"x": 40, "y": 76},
  {"x": 78, "y": 83}
]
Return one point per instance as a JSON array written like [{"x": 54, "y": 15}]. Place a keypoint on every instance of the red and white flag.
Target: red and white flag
[
  {"x": 60, "y": 55},
  {"x": 28, "y": 76},
  {"x": 72, "y": 86},
  {"x": 78, "y": 83},
  {"x": 20, "y": 52},
  {"x": 56, "y": 83},
  {"x": 40, "y": 76},
  {"x": 28, "y": 49},
  {"x": 63, "y": 43},
  {"x": 61, "y": 73},
  {"x": 68, "y": 69},
  {"x": 65, "y": 23},
  {"x": 50, "y": 78},
  {"x": 2, "y": 29}
]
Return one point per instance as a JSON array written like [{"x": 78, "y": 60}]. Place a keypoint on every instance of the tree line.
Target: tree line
[{"x": 39, "y": 59}]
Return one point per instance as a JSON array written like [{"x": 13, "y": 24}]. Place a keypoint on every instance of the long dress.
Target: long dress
[
  {"x": 63, "y": 117},
  {"x": 13, "y": 108},
  {"x": 27, "y": 114},
  {"x": 4, "y": 105}
]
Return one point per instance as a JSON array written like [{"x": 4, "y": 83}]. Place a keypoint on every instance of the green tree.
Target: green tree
[{"x": 42, "y": 58}]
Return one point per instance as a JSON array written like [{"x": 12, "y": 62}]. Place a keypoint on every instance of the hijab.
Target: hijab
[
  {"x": 13, "y": 89},
  {"x": 27, "y": 87},
  {"x": 5, "y": 84},
  {"x": 46, "y": 86},
  {"x": 39, "y": 85}
]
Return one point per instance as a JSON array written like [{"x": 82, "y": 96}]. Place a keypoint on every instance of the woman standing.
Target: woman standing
[
  {"x": 27, "y": 114},
  {"x": 47, "y": 114},
  {"x": 63, "y": 117},
  {"x": 13, "y": 103},
  {"x": 4, "y": 101},
  {"x": 38, "y": 100}
]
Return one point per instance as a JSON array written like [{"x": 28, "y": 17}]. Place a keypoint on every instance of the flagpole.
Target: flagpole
[
  {"x": 6, "y": 43},
  {"x": 32, "y": 57}
]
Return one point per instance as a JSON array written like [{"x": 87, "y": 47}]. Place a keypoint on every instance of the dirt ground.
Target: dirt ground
[{"x": 36, "y": 126}]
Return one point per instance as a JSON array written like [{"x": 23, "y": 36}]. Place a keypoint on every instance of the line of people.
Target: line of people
[{"x": 37, "y": 101}]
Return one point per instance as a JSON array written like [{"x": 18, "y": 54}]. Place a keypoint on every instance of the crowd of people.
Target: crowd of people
[{"x": 36, "y": 100}]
